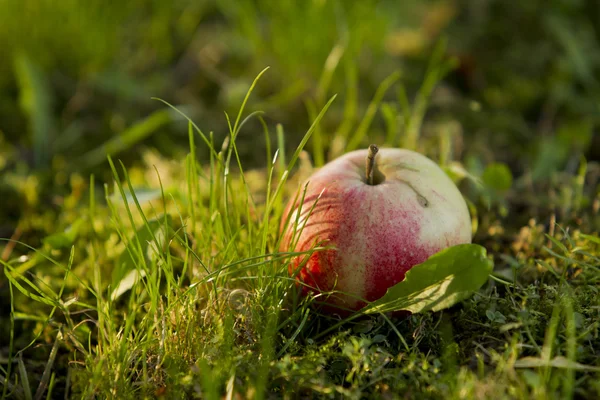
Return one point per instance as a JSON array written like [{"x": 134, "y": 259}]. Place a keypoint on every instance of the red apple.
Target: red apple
[{"x": 378, "y": 213}]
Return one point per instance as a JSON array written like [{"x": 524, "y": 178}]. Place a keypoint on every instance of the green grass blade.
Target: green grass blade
[
  {"x": 44, "y": 382},
  {"x": 24, "y": 378},
  {"x": 360, "y": 133},
  {"x": 124, "y": 141},
  {"x": 36, "y": 101}
]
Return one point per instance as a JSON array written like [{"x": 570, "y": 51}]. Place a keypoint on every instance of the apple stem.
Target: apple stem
[{"x": 373, "y": 149}]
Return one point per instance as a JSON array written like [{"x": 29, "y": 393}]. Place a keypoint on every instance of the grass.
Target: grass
[
  {"x": 184, "y": 294},
  {"x": 158, "y": 274}
]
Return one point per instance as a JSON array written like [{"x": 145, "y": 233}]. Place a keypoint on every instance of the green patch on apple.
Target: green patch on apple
[{"x": 445, "y": 279}]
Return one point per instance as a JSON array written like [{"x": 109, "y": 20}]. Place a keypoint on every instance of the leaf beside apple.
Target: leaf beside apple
[{"x": 445, "y": 279}]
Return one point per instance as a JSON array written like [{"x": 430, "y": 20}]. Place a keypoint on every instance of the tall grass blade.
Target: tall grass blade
[
  {"x": 360, "y": 133},
  {"x": 36, "y": 100},
  {"x": 124, "y": 141}
]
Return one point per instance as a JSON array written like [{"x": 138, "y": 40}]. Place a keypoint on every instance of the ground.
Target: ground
[{"x": 146, "y": 157}]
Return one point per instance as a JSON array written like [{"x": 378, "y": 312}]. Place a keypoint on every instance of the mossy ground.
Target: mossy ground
[{"x": 156, "y": 273}]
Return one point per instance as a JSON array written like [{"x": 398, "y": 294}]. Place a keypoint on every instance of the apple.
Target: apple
[{"x": 377, "y": 213}]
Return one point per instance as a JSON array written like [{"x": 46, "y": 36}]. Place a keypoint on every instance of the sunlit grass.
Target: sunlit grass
[
  {"x": 192, "y": 298},
  {"x": 168, "y": 279}
]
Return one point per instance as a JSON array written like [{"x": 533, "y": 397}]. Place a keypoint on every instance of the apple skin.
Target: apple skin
[{"x": 373, "y": 233}]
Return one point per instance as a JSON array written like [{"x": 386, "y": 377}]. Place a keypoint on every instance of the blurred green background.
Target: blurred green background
[{"x": 77, "y": 80}]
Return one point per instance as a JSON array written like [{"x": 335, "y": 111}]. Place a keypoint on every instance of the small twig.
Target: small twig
[{"x": 10, "y": 245}]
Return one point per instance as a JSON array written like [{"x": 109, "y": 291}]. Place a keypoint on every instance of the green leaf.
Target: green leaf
[
  {"x": 130, "y": 258},
  {"x": 556, "y": 362},
  {"x": 551, "y": 156},
  {"x": 65, "y": 239},
  {"x": 127, "y": 282},
  {"x": 591, "y": 238},
  {"x": 443, "y": 280},
  {"x": 498, "y": 177}
]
